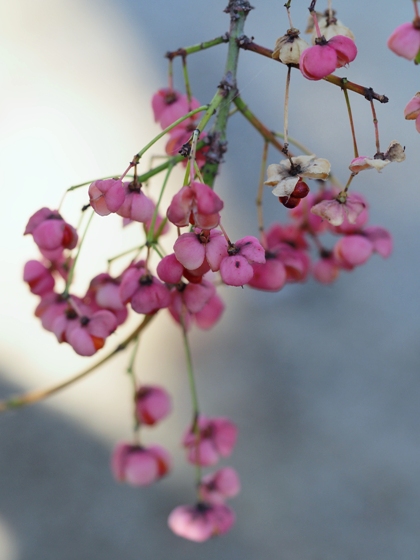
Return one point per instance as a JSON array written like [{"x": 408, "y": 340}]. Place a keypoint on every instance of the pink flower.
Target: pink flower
[
  {"x": 322, "y": 59},
  {"x": 170, "y": 105},
  {"x": 405, "y": 40},
  {"x": 326, "y": 270},
  {"x": 50, "y": 307},
  {"x": 236, "y": 268},
  {"x": 194, "y": 248},
  {"x": 381, "y": 240},
  {"x": 139, "y": 466},
  {"x": 352, "y": 250},
  {"x": 104, "y": 293},
  {"x": 50, "y": 231},
  {"x": 196, "y": 301},
  {"x": 85, "y": 333},
  {"x": 216, "y": 487},
  {"x": 106, "y": 195},
  {"x": 144, "y": 291},
  {"x": 335, "y": 211},
  {"x": 38, "y": 277},
  {"x": 197, "y": 205},
  {"x": 216, "y": 438},
  {"x": 136, "y": 206},
  {"x": 412, "y": 110},
  {"x": 170, "y": 269},
  {"x": 200, "y": 522},
  {"x": 395, "y": 152},
  {"x": 153, "y": 403}
]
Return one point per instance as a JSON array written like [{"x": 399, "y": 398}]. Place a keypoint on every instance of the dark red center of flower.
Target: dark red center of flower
[
  {"x": 84, "y": 320},
  {"x": 70, "y": 314},
  {"x": 146, "y": 280},
  {"x": 170, "y": 97}
]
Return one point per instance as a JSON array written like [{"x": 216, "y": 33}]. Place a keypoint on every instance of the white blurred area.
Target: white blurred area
[{"x": 75, "y": 99}]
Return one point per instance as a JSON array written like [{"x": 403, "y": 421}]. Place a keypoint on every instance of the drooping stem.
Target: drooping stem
[
  {"x": 353, "y": 132},
  {"x": 132, "y": 374},
  {"x": 238, "y": 10},
  {"x": 168, "y": 129},
  {"x": 286, "y": 112},
  {"x": 287, "y": 6},
  {"x": 195, "y": 428},
  {"x": 416, "y": 10},
  {"x": 73, "y": 265},
  {"x": 39, "y": 395},
  {"x": 151, "y": 233},
  {"x": 186, "y": 80},
  {"x": 375, "y": 124},
  {"x": 259, "y": 198}
]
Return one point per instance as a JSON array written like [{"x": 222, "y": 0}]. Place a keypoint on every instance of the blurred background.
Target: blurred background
[{"x": 322, "y": 381}]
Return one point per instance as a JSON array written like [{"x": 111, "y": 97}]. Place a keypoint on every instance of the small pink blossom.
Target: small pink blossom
[
  {"x": 381, "y": 240},
  {"x": 216, "y": 487},
  {"x": 106, "y": 195},
  {"x": 326, "y": 270},
  {"x": 192, "y": 249},
  {"x": 405, "y": 40},
  {"x": 352, "y": 250},
  {"x": 153, "y": 403},
  {"x": 38, "y": 277},
  {"x": 50, "y": 307},
  {"x": 335, "y": 211},
  {"x": 136, "y": 206},
  {"x": 50, "y": 231},
  {"x": 143, "y": 291},
  {"x": 236, "y": 268},
  {"x": 200, "y": 522},
  {"x": 216, "y": 438},
  {"x": 196, "y": 302},
  {"x": 170, "y": 105},
  {"x": 197, "y": 205},
  {"x": 394, "y": 153},
  {"x": 104, "y": 293},
  {"x": 412, "y": 110},
  {"x": 324, "y": 57},
  {"x": 139, "y": 466},
  {"x": 170, "y": 269}
]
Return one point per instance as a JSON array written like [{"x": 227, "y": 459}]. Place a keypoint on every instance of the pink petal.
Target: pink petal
[
  {"x": 236, "y": 271},
  {"x": 189, "y": 251}
]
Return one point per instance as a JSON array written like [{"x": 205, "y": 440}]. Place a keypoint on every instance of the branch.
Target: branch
[
  {"x": 39, "y": 395},
  {"x": 196, "y": 48},
  {"x": 246, "y": 44}
]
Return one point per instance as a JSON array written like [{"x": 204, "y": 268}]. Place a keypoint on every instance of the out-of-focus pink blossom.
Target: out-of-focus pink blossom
[
  {"x": 170, "y": 269},
  {"x": 38, "y": 277},
  {"x": 139, "y": 466},
  {"x": 405, "y": 40},
  {"x": 196, "y": 302},
  {"x": 200, "y": 522},
  {"x": 104, "y": 293},
  {"x": 216, "y": 487},
  {"x": 412, "y": 110},
  {"x": 326, "y": 270},
  {"x": 170, "y": 105},
  {"x": 143, "y": 290},
  {"x": 353, "y": 250},
  {"x": 153, "y": 403},
  {"x": 50, "y": 231},
  {"x": 197, "y": 205},
  {"x": 216, "y": 438},
  {"x": 381, "y": 240},
  {"x": 136, "y": 206},
  {"x": 394, "y": 153},
  {"x": 50, "y": 307},
  {"x": 335, "y": 211},
  {"x": 106, "y": 195}
]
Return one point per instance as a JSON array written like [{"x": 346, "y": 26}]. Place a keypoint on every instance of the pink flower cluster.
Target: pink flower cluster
[{"x": 324, "y": 57}]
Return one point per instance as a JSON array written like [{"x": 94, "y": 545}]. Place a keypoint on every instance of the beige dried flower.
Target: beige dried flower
[{"x": 289, "y": 47}]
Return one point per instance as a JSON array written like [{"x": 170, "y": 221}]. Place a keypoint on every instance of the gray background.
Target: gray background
[{"x": 323, "y": 382}]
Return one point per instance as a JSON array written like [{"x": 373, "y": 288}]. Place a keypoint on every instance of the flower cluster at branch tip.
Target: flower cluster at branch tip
[{"x": 327, "y": 233}]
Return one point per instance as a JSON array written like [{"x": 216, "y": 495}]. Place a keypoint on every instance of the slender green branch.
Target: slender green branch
[
  {"x": 39, "y": 395},
  {"x": 353, "y": 132},
  {"x": 73, "y": 266},
  {"x": 151, "y": 232},
  {"x": 199, "y": 47}
]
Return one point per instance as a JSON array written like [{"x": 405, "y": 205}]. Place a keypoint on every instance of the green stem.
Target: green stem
[
  {"x": 132, "y": 375},
  {"x": 193, "y": 391},
  {"x": 199, "y": 47},
  {"x": 139, "y": 155},
  {"x": 238, "y": 11},
  {"x": 73, "y": 266},
  {"x": 353, "y": 132},
  {"x": 151, "y": 233}
]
